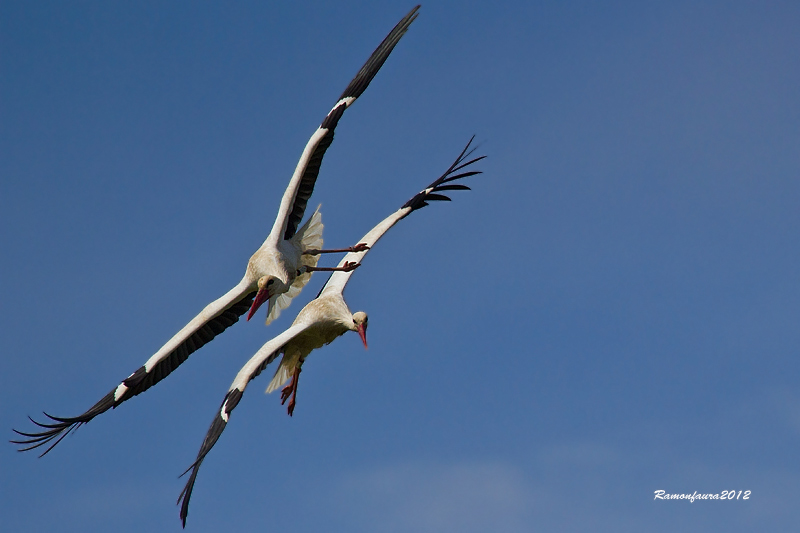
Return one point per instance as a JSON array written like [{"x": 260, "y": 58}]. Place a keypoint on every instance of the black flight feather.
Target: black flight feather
[
  {"x": 138, "y": 382},
  {"x": 355, "y": 89}
]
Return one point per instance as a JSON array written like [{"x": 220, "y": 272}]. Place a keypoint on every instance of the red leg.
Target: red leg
[
  {"x": 291, "y": 389},
  {"x": 360, "y": 247}
]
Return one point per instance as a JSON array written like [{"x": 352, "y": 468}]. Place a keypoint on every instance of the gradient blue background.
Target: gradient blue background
[{"x": 612, "y": 310}]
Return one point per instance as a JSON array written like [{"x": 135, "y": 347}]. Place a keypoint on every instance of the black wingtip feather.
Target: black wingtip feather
[
  {"x": 459, "y": 167},
  {"x": 422, "y": 198},
  {"x": 218, "y": 425},
  {"x": 138, "y": 382},
  {"x": 455, "y": 187},
  {"x": 55, "y": 433},
  {"x": 432, "y": 197},
  {"x": 362, "y": 80},
  {"x": 354, "y": 89}
]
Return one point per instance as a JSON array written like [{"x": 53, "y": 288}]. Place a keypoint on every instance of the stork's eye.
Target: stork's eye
[{"x": 270, "y": 282}]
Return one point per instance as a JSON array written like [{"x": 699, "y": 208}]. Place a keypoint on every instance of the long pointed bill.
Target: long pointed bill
[
  {"x": 362, "y": 332},
  {"x": 261, "y": 296}
]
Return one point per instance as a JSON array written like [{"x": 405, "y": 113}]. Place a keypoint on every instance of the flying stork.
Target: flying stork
[
  {"x": 318, "y": 323},
  {"x": 275, "y": 273}
]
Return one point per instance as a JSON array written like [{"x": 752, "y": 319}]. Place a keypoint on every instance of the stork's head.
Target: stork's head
[
  {"x": 360, "y": 322},
  {"x": 267, "y": 286}
]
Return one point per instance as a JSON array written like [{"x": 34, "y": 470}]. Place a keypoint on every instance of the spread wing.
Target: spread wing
[
  {"x": 213, "y": 320},
  {"x": 249, "y": 371},
  {"x": 338, "y": 280},
  {"x": 224, "y": 312},
  {"x": 295, "y": 199}
]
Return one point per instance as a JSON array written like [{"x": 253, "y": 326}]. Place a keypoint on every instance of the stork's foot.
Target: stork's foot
[
  {"x": 286, "y": 392},
  {"x": 347, "y": 267},
  {"x": 350, "y": 266}
]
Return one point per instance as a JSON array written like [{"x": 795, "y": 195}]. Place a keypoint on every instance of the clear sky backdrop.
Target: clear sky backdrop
[{"x": 614, "y": 309}]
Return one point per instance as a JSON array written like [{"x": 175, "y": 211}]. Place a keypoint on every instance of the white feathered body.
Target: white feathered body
[
  {"x": 283, "y": 259},
  {"x": 327, "y": 318}
]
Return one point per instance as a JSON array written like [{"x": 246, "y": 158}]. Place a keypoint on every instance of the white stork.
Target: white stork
[
  {"x": 275, "y": 273},
  {"x": 318, "y": 323}
]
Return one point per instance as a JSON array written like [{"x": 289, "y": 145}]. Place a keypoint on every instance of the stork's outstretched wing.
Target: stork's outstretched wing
[
  {"x": 213, "y": 320},
  {"x": 335, "y": 285},
  {"x": 338, "y": 280},
  {"x": 295, "y": 199},
  {"x": 225, "y": 311},
  {"x": 249, "y": 371}
]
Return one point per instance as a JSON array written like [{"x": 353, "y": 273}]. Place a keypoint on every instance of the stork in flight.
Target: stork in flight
[
  {"x": 318, "y": 323},
  {"x": 275, "y": 273}
]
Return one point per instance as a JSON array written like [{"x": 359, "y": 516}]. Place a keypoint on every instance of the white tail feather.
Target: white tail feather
[{"x": 282, "y": 374}]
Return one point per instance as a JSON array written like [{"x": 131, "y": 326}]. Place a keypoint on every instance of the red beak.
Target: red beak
[
  {"x": 362, "y": 332},
  {"x": 261, "y": 297}
]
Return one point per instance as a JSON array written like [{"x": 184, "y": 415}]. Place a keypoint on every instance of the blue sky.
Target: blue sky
[{"x": 612, "y": 310}]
